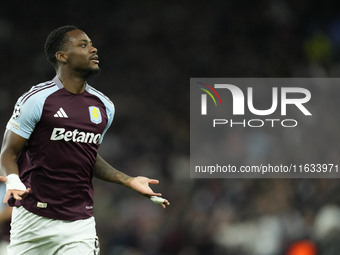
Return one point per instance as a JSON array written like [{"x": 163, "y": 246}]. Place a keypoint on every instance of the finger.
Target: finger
[
  {"x": 3, "y": 178},
  {"x": 7, "y": 195},
  {"x": 23, "y": 193},
  {"x": 166, "y": 202},
  {"x": 153, "y": 181},
  {"x": 17, "y": 195},
  {"x": 150, "y": 194},
  {"x": 156, "y": 194}
]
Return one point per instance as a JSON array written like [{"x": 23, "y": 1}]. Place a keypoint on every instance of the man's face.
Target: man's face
[{"x": 81, "y": 55}]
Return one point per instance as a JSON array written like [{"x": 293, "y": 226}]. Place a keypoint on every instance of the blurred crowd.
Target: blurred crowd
[{"x": 148, "y": 51}]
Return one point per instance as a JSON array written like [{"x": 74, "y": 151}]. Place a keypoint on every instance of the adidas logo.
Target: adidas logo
[{"x": 61, "y": 113}]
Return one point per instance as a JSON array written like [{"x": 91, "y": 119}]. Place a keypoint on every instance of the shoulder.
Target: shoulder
[
  {"x": 99, "y": 94},
  {"x": 28, "y": 109},
  {"x": 105, "y": 100},
  {"x": 38, "y": 93}
]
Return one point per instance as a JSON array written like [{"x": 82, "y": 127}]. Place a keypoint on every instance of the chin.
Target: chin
[
  {"x": 90, "y": 72},
  {"x": 96, "y": 71}
]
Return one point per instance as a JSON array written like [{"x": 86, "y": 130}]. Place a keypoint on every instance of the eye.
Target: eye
[{"x": 83, "y": 45}]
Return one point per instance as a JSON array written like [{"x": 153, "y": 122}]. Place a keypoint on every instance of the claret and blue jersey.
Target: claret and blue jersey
[{"x": 64, "y": 131}]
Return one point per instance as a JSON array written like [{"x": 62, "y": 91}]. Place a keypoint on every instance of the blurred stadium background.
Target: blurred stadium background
[{"x": 148, "y": 51}]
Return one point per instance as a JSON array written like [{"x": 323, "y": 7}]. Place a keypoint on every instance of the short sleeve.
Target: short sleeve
[
  {"x": 110, "y": 111},
  {"x": 25, "y": 117}
]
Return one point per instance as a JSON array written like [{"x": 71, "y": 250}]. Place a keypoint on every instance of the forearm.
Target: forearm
[
  {"x": 5, "y": 214},
  {"x": 8, "y": 164},
  {"x": 105, "y": 172},
  {"x": 12, "y": 146}
]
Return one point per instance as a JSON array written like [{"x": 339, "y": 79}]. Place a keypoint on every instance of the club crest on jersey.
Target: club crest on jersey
[{"x": 95, "y": 115}]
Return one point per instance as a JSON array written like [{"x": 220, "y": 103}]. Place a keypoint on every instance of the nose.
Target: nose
[{"x": 93, "y": 50}]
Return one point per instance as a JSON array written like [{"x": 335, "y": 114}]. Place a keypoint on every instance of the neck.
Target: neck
[{"x": 73, "y": 83}]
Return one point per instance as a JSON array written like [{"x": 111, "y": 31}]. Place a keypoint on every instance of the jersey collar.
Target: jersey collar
[{"x": 60, "y": 85}]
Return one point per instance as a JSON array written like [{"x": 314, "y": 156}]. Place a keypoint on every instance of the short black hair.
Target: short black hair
[{"x": 55, "y": 42}]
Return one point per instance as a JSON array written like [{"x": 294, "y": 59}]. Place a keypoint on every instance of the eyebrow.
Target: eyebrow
[{"x": 84, "y": 40}]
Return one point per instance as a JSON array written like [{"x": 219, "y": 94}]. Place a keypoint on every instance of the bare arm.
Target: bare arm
[
  {"x": 11, "y": 147},
  {"x": 105, "y": 172},
  {"x": 5, "y": 214}
]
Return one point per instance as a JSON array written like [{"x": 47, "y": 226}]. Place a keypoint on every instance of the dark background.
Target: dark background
[{"x": 148, "y": 51}]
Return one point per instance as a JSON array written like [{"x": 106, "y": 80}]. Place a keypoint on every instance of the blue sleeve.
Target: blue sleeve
[
  {"x": 110, "y": 111},
  {"x": 25, "y": 117}
]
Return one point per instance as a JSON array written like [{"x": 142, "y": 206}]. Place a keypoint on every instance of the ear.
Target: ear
[{"x": 61, "y": 56}]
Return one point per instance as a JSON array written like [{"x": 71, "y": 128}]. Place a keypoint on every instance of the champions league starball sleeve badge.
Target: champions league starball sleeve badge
[{"x": 16, "y": 112}]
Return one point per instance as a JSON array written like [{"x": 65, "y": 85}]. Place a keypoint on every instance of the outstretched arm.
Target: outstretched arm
[
  {"x": 105, "y": 172},
  {"x": 11, "y": 147}
]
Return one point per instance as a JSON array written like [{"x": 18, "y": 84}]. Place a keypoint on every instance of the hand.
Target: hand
[
  {"x": 17, "y": 194},
  {"x": 141, "y": 185}
]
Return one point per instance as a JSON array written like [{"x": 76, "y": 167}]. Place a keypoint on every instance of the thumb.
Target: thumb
[{"x": 3, "y": 178}]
